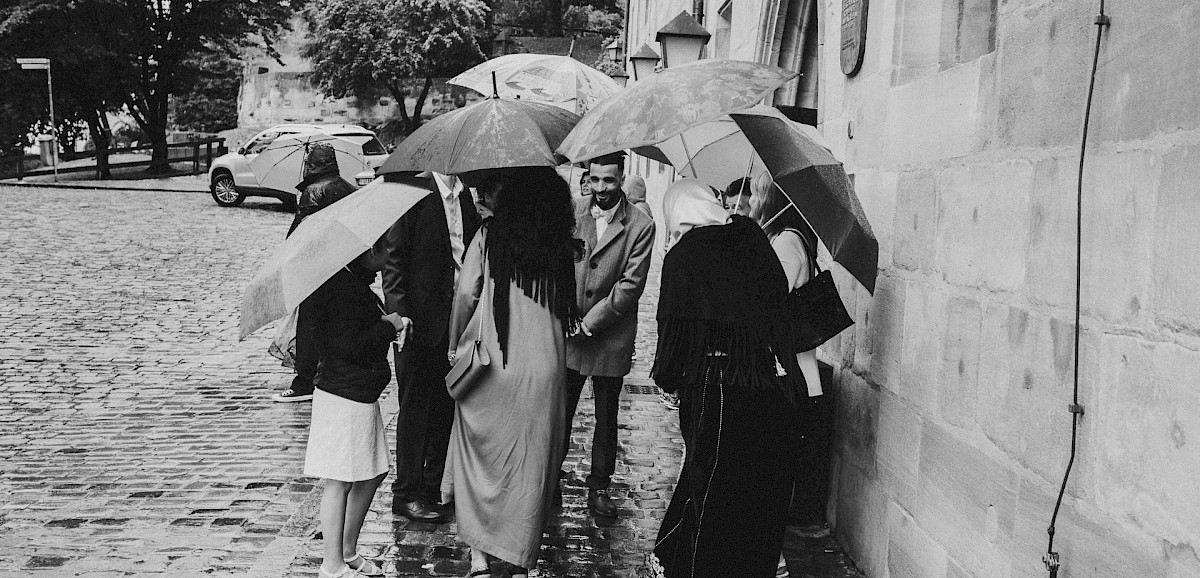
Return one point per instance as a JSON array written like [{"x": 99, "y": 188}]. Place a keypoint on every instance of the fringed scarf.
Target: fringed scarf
[
  {"x": 548, "y": 280},
  {"x": 720, "y": 308}
]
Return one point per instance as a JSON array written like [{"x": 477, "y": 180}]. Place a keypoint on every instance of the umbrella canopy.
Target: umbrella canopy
[
  {"x": 495, "y": 133},
  {"x": 762, "y": 138},
  {"x": 560, "y": 80},
  {"x": 322, "y": 244},
  {"x": 281, "y": 165},
  {"x": 670, "y": 102}
]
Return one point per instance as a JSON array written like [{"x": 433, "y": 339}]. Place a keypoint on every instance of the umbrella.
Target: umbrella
[
  {"x": 561, "y": 80},
  {"x": 743, "y": 143},
  {"x": 320, "y": 246},
  {"x": 281, "y": 165},
  {"x": 494, "y": 133},
  {"x": 670, "y": 102}
]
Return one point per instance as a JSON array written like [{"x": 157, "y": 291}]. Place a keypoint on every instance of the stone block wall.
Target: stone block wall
[{"x": 953, "y": 430}]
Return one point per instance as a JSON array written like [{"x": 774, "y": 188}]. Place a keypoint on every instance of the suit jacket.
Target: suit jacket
[
  {"x": 609, "y": 282},
  {"x": 418, "y": 279}
]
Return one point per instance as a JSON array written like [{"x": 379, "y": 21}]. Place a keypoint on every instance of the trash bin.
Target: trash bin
[{"x": 46, "y": 148}]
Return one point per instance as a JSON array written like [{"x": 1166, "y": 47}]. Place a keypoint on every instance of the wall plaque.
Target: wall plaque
[{"x": 854, "y": 35}]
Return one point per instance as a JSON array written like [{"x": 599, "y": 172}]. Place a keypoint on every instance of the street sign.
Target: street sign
[{"x": 34, "y": 63}]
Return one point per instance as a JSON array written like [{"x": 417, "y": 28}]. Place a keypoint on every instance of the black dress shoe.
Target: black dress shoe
[
  {"x": 599, "y": 504},
  {"x": 417, "y": 511}
]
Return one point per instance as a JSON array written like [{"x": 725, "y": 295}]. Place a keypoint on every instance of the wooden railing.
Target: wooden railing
[{"x": 198, "y": 152}]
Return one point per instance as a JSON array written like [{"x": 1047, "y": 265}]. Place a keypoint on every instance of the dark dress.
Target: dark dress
[{"x": 721, "y": 286}]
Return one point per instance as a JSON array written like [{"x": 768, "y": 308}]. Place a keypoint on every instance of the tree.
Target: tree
[
  {"x": 361, "y": 48},
  {"x": 91, "y": 69},
  {"x": 210, "y": 105},
  {"x": 170, "y": 39}
]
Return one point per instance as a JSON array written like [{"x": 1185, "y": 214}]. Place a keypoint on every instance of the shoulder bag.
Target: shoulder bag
[
  {"x": 816, "y": 311},
  {"x": 471, "y": 357}
]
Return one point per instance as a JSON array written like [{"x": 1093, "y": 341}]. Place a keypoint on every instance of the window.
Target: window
[
  {"x": 724, "y": 24},
  {"x": 799, "y": 50}
]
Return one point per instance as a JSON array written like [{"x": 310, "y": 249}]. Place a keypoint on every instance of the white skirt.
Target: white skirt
[{"x": 346, "y": 441}]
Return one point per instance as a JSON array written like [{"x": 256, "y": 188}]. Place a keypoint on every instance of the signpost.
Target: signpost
[
  {"x": 44, "y": 64},
  {"x": 854, "y": 35}
]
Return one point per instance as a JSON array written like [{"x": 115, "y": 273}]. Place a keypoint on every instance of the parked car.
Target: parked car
[{"x": 231, "y": 180}]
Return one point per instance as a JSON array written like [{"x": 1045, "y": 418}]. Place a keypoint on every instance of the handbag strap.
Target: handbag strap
[
  {"x": 484, "y": 290},
  {"x": 810, "y": 252}
]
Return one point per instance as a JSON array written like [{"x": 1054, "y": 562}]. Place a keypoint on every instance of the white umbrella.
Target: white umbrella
[
  {"x": 281, "y": 165},
  {"x": 559, "y": 80},
  {"x": 322, "y": 244}
]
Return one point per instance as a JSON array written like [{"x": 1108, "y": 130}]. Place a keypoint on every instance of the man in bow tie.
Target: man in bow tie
[{"x": 609, "y": 282}]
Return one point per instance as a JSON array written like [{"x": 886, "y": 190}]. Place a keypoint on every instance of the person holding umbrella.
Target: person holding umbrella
[
  {"x": 518, "y": 288},
  {"x": 346, "y": 442},
  {"x": 722, "y": 295}
]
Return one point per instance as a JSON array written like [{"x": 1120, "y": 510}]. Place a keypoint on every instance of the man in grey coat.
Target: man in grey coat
[{"x": 609, "y": 282}]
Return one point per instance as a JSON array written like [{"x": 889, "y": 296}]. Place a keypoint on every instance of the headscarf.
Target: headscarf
[
  {"x": 720, "y": 299},
  {"x": 688, "y": 204},
  {"x": 635, "y": 189}
]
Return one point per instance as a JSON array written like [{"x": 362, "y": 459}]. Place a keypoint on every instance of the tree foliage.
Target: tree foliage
[
  {"x": 210, "y": 105},
  {"x": 135, "y": 54},
  {"x": 363, "y": 47},
  {"x": 551, "y": 17}
]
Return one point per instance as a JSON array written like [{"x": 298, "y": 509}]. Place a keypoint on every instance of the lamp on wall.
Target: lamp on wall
[
  {"x": 613, "y": 51},
  {"x": 620, "y": 76},
  {"x": 644, "y": 61},
  {"x": 682, "y": 40}
]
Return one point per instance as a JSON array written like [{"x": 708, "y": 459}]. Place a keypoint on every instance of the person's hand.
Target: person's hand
[
  {"x": 402, "y": 324},
  {"x": 581, "y": 330}
]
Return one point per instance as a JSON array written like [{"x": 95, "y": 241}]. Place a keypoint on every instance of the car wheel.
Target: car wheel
[{"x": 224, "y": 192}]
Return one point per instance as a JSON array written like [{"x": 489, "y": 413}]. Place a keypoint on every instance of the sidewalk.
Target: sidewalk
[{"x": 171, "y": 184}]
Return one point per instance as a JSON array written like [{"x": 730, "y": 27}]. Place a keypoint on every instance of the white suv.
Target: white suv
[{"x": 231, "y": 180}]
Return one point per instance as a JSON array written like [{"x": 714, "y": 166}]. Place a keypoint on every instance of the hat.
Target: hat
[{"x": 321, "y": 160}]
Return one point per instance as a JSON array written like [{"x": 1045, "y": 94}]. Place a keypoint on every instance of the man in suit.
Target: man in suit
[
  {"x": 425, "y": 249},
  {"x": 609, "y": 281}
]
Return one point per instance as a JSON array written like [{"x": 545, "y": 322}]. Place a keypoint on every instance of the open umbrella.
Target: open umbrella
[
  {"x": 560, "y": 80},
  {"x": 670, "y": 102},
  {"x": 762, "y": 138},
  {"x": 280, "y": 165},
  {"x": 494, "y": 133},
  {"x": 322, "y": 244}
]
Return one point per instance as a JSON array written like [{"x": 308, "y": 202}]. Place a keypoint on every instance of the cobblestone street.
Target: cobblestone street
[{"x": 138, "y": 437}]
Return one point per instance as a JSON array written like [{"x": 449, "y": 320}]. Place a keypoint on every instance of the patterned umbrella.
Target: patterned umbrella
[
  {"x": 494, "y": 133},
  {"x": 670, "y": 102},
  {"x": 322, "y": 244},
  {"x": 559, "y": 80}
]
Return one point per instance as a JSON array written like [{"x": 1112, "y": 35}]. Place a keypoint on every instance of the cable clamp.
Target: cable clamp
[
  {"x": 1050, "y": 559},
  {"x": 1075, "y": 408},
  {"x": 1102, "y": 20}
]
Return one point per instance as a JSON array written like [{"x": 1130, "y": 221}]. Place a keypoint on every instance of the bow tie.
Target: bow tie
[{"x": 597, "y": 212}]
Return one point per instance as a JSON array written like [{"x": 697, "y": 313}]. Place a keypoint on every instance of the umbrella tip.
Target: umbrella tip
[{"x": 495, "y": 91}]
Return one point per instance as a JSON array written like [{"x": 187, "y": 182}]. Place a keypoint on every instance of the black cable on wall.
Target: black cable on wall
[{"x": 1051, "y": 558}]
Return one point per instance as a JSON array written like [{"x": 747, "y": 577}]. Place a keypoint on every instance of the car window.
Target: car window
[
  {"x": 262, "y": 142},
  {"x": 370, "y": 144}
]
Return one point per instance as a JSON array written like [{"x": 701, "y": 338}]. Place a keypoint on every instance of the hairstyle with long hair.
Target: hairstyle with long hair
[
  {"x": 773, "y": 203},
  {"x": 531, "y": 240}
]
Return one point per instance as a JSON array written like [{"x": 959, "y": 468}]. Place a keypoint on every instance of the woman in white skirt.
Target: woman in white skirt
[{"x": 346, "y": 443}]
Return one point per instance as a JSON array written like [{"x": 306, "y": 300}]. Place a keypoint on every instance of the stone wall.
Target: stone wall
[{"x": 953, "y": 431}]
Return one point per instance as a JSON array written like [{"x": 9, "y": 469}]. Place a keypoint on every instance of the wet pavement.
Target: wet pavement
[{"x": 137, "y": 435}]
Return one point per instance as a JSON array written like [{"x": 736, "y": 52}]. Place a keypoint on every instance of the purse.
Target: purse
[
  {"x": 471, "y": 357},
  {"x": 816, "y": 312}
]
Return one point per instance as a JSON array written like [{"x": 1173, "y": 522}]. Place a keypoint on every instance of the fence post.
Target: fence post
[
  {"x": 21, "y": 166},
  {"x": 196, "y": 158},
  {"x": 208, "y": 154}
]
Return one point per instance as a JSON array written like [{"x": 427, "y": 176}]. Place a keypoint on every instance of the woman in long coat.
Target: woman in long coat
[
  {"x": 518, "y": 284},
  {"x": 719, "y": 348}
]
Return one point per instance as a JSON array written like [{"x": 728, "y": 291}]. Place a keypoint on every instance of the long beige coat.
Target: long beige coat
[{"x": 609, "y": 282}]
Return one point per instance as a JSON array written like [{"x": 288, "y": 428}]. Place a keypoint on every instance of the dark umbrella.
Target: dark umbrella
[
  {"x": 817, "y": 184},
  {"x": 491, "y": 134}
]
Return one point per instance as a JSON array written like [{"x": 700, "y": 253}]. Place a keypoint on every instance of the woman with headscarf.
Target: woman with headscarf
[
  {"x": 635, "y": 193},
  {"x": 505, "y": 445},
  {"x": 720, "y": 298}
]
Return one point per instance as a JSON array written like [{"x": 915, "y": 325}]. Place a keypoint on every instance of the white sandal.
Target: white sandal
[{"x": 364, "y": 566}]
